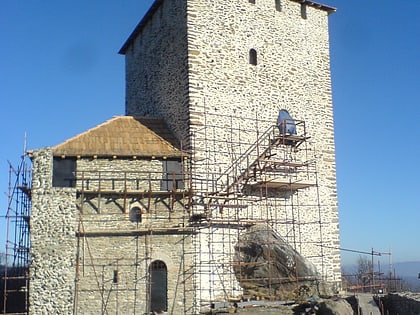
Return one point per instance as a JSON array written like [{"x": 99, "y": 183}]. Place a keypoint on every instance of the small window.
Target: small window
[
  {"x": 303, "y": 11},
  {"x": 253, "y": 57},
  {"x": 115, "y": 278},
  {"x": 278, "y": 5},
  {"x": 252, "y": 1},
  {"x": 172, "y": 177},
  {"x": 64, "y": 172},
  {"x": 135, "y": 214}
]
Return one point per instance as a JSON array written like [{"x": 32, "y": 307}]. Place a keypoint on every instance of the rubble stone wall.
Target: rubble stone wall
[
  {"x": 53, "y": 242},
  {"x": 157, "y": 70},
  {"x": 225, "y": 101},
  {"x": 89, "y": 256},
  {"x": 114, "y": 273}
]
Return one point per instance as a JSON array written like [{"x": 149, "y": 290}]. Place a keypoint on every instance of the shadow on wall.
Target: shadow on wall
[{"x": 14, "y": 300}]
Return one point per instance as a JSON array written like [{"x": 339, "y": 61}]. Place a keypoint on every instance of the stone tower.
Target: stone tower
[{"x": 219, "y": 72}]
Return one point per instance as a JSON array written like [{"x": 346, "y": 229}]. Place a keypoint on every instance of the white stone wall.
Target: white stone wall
[
  {"x": 231, "y": 102},
  {"x": 119, "y": 174},
  {"x": 157, "y": 77},
  {"x": 292, "y": 73},
  {"x": 53, "y": 243},
  {"x": 79, "y": 240},
  {"x": 141, "y": 176},
  {"x": 130, "y": 257},
  {"x": 106, "y": 247}
]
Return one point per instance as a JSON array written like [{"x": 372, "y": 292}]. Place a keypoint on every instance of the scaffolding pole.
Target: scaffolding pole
[{"x": 16, "y": 274}]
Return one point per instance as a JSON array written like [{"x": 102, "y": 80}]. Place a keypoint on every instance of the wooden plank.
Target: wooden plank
[
  {"x": 226, "y": 205},
  {"x": 133, "y": 192},
  {"x": 285, "y": 163},
  {"x": 156, "y": 231},
  {"x": 281, "y": 183}
]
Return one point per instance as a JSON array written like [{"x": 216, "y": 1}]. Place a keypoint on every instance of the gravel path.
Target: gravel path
[{"x": 367, "y": 304}]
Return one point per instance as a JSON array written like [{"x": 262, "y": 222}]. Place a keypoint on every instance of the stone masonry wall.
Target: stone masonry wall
[
  {"x": 112, "y": 243},
  {"x": 53, "y": 245},
  {"x": 89, "y": 256},
  {"x": 106, "y": 212},
  {"x": 292, "y": 72},
  {"x": 131, "y": 257},
  {"x": 230, "y": 102},
  {"x": 156, "y": 69}
]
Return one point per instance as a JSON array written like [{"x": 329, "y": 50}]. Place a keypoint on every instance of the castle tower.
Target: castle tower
[
  {"x": 218, "y": 186},
  {"x": 218, "y": 73}
]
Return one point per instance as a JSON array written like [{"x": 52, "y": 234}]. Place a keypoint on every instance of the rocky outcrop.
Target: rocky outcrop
[
  {"x": 335, "y": 307},
  {"x": 269, "y": 267}
]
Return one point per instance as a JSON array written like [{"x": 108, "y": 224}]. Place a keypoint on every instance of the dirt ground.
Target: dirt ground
[
  {"x": 323, "y": 307},
  {"x": 262, "y": 310}
]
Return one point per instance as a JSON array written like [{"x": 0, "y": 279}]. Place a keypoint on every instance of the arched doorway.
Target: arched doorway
[{"x": 158, "y": 286}]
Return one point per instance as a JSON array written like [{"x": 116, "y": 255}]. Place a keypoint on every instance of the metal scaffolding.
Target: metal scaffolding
[
  {"x": 270, "y": 182},
  {"x": 161, "y": 209},
  {"x": 15, "y": 278},
  {"x": 230, "y": 186}
]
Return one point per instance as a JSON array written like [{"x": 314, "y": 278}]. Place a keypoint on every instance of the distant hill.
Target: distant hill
[
  {"x": 407, "y": 269},
  {"x": 409, "y": 272}
]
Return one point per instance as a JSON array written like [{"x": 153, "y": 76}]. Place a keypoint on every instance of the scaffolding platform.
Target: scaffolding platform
[{"x": 283, "y": 184}]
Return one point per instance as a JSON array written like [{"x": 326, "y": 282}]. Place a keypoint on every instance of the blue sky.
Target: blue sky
[{"x": 60, "y": 75}]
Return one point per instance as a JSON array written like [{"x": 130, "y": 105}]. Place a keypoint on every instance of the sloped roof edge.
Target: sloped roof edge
[
  {"x": 123, "y": 136},
  {"x": 140, "y": 26}
]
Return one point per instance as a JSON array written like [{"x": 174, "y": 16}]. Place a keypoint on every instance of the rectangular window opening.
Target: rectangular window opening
[
  {"x": 303, "y": 12},
  {"x": 64, "y": 172},
  {"x": 173, "y": 177},
  {"x": 115, "y": 278},
  {"x": 278, "y": 5}
]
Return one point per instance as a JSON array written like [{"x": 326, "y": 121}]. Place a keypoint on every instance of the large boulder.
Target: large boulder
[
  {"x": 268, "y": 267},
  {"x": 335, "y": 307}
]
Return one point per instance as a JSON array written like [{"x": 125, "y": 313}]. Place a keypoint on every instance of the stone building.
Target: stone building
[
  {"x": 228, "y": 135},
  {"x": 108, "y": 217}
]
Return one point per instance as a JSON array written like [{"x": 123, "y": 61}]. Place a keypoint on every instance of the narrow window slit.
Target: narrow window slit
[
  {"x": 278, "y": 5},
  {"x": 115, "y": 278},
  {"x": 303, "y": 12},
  {"x": 253, "y": 57}
]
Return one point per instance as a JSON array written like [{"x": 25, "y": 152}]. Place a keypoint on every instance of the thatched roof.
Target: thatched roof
[{"x": 123, "y": 136}]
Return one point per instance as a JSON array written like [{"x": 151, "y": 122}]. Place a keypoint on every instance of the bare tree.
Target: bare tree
[
  {"x": 348, "y": 278},
  {"x": 364, "y": 271}
]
